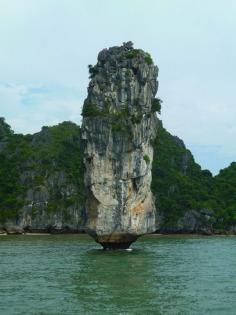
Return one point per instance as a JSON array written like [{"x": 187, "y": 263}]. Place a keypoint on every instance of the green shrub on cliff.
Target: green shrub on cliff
[
  {"x": 146, "y": 158},
  {"x": 156, "y": 105},
  {"x": 148, "y": 59},
  {"x": 92, "y": 71},
  {"x": 90, "y": 110},
  {"x": 133, "y": 53}
]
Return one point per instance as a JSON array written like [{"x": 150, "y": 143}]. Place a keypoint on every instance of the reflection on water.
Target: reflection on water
[
  {"x": 162, "y": 275},
  {"x": 115, "y": 280}
]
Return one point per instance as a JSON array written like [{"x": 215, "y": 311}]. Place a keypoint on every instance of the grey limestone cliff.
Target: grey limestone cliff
[{"x": 119, "y": 124}]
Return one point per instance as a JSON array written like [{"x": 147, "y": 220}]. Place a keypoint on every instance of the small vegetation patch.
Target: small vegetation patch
[
  {"x": 156, "y": 105},
  {"x": 146, "y": 158},
  {"x": 128, "y": 72},
  {"x": 92, "y": 71},
  {"x": 132, "y": 53},
  {"x": 117, "y": 127},
  {"x": 136, "y": 119},
  {"x": 90, "y": 110},
  {"x": 148, "y": 59}
]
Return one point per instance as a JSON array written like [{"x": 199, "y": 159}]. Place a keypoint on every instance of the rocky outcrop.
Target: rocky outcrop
[
  {"x": 119, "y": 124},
  {"x": 193, "y": 221},
  {"x": 41, "y": 180},
  {"x": 51, "y": 207}
]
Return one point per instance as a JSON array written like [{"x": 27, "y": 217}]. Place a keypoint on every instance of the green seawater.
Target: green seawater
[{"x": 69, "y": 274}]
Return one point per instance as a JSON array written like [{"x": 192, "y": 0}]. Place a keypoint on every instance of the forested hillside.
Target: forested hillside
[{"x": 41, "y": 184}]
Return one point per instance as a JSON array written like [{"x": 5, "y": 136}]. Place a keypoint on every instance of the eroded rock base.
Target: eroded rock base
[{"x": 116, "y": 241}]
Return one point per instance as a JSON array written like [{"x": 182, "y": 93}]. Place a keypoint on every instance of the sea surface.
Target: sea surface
[{"x": 70, "y": 274}]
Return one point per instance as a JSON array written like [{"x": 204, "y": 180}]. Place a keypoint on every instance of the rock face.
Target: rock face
[
  {"x": 41, "y": 183},
  {"x": 119, "y": 124},
  {"x": 193, "y": 221}
]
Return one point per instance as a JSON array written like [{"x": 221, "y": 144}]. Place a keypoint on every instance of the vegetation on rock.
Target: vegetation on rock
[
  {"x": 177, "y": 181},
  {"x": 225, "y": 192},
  {"x": 156, "y": 105},
  {"x": 148, "y": 59},
  {"x": 146, "y": 158},
  {"x": 32, "y": 162}
]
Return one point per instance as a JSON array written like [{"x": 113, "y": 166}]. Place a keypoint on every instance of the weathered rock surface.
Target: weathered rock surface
[
  {"x": 37, "y": 214},
  {"x": 193, "y": 221},
  {"x": 39, "y": 178},
  {"x": 119, "y": 124}
]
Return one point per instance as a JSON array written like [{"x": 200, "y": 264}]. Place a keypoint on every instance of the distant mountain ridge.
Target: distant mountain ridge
[{"x": 41, "y": 184}]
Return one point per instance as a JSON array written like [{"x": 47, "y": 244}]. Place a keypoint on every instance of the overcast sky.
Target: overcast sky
[{"x": 46, "y": 45}]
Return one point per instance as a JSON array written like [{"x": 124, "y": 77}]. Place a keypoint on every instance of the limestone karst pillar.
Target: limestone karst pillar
[{"x": 119, "y": 124}]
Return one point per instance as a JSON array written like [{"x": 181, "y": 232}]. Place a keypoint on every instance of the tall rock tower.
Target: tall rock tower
[{"x": 119, "y": 124}]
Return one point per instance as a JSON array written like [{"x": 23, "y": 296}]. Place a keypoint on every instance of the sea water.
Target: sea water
[{"x": 70, "y": 274}]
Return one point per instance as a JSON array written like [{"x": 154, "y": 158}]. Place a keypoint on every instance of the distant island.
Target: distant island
[{"x": 41, "y": 185}]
